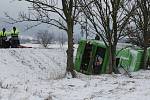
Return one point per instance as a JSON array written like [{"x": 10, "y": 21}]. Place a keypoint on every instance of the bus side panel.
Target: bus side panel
[{"x": 79, "y": 55}]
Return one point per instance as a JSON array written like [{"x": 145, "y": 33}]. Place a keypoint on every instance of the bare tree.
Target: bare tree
[
  {"x": 62, "y": 39},
  {"x": 140, "y": 27},
  {"x": 84, "y": 28},
  {"x": 108, "y": 19},
  {"x": 44, "y": 37},
  {"x": 60, "y": 13}
]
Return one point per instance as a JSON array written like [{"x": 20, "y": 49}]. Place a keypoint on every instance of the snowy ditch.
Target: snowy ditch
[
  {"x": 26, "y": 66},
  {"x": 35, "y": 74}
]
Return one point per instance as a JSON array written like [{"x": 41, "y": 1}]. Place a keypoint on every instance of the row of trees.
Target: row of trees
[
  {"x": 45, "y": 37},
  {"x": 110, "y": 19}
]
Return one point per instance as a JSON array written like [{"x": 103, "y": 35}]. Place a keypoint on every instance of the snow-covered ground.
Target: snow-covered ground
[{"x": 36, "y": 74}]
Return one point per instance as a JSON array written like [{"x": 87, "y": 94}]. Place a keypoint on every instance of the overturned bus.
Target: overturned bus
[
  {"x": 86, "y": 56},
  {"x": 130, "y": 59},
  {"x": 89, "y": 51}
]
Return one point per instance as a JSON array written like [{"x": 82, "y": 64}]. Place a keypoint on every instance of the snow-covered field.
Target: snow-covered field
[{"x": 36, "y": 74}]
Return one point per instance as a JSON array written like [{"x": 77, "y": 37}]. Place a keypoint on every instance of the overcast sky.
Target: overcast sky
[{"x": 13, "y": 7}]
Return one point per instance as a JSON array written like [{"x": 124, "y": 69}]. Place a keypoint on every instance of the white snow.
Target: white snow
[{"x": 36, "y": 74}]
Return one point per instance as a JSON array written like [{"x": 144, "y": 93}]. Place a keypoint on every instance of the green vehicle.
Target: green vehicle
[
  {"x": 87, "y": 54},
  {"x": 130, "y": 59},
  {"x": 89, "y": 50}
]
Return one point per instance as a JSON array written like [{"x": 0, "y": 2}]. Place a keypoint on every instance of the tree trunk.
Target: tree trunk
[
  {"x": 114, "y": 39},
  {"x": 145, "y": 30},
  {"x": 114, "y": 66},
  {"x": 110, "y": 60},
  {"x": 70, "y": 65},
  {"x": 144, "y": 58}
]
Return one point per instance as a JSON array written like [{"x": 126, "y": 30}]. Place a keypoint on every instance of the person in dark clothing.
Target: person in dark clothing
[
  {"x": 14, "y": 40},
  {"x": 3, "y": 38}
]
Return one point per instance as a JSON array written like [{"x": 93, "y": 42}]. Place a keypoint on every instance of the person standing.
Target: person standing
[
  {"x": 14, "y": 40},
  {"x": 0, "y": 39},
  {"x": 3, "y": 38}
]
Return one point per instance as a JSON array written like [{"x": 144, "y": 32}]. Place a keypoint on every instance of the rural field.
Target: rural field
[
  {"x": 74, "y": 49},
  {"x": 39, "y": 74}
]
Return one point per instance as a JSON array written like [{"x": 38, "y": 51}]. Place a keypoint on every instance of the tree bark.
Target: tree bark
[
  {"x": 114, "y": 66},
  {"x": 145, "y": 30},
  {"x": 144, "y": 58},
  {"x": 110, "y": 60},
  {"x": 70, "y": 64}
]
